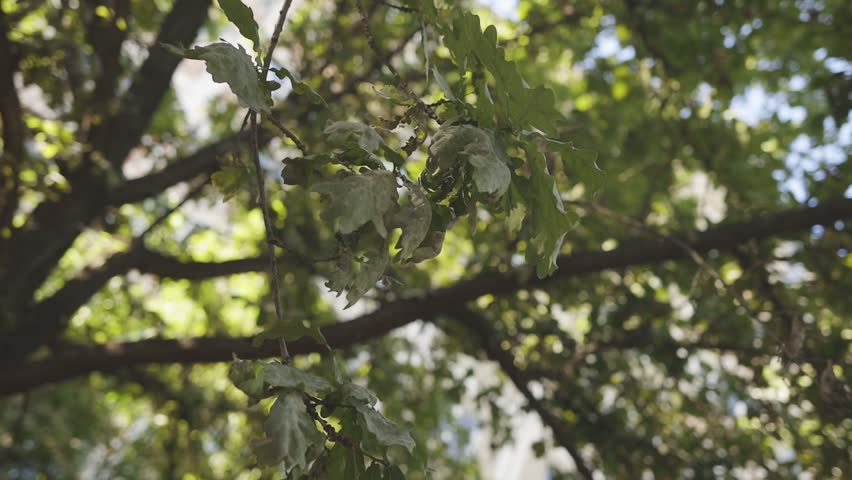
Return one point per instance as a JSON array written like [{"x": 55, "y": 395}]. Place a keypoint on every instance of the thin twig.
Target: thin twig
[
  {"x": 288, "y": 133},
  {"x": 394, "y": 6},
  {"x": 261, "y": 185},
  {"x": 400, "y": 82},
  {"x": 267, "y": 221},
  {"x": 165, "y": 215},
  {"x": 279, "y": 26}
]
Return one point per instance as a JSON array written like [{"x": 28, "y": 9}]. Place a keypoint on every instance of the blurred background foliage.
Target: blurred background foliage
[{"x": 698, "y": 112}]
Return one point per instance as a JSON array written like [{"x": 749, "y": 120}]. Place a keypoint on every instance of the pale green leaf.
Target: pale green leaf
[
  {"x": 368, "y": 272},
  {"x": 291, "y": 331},
  {"x": 385, "y": 432},
  {"x": 346, "y": 133},
  {"x": 392, "y": 93},
  {"x": 516, "y": 217},
  {"x": 456, "y": 143},
  {"x": 354, "y": 394},
  {"x": 414, "y": 219},
  {"x": 300, "y": 87},
  {"x": 491, "y": 173},
  {"x": 243, "y": 18},
  {"x": 358, "y": 199},
  {"x": 290, "y": 433},
  {"x": 357, "y": 274},
  {"x": 280, "y": 375},
  {"x": 235, "y": 67},
  {"x": 430, "y": 247},
  {"x": 547, "y": 221},
  {"x": 248, "y": 377},
  {"x": 445, "y": 86}
]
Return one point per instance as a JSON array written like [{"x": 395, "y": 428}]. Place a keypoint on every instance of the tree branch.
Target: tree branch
[
  {"x": 65, "y": 365},
  {"x": 106, "y": 39},
  {"x": 13, "y": 128},
  {"x": 77, "y": 361},
  {"x": 120, "y": 133}
]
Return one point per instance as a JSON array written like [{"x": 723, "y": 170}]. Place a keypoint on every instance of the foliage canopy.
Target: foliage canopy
[{"x": 635, "y": 210}]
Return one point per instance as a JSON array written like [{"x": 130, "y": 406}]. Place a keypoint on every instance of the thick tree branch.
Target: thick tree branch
[
  {"x": 13, "y": 128},
  {"x": 395, "y": 314},
  {"x": 54, "y": 225},
  {"x": 120, "y": 133},
  {"x": 203, "y": 161},
  {"x": 74, "y": 362},
  {"x": 106, "y": 39}
]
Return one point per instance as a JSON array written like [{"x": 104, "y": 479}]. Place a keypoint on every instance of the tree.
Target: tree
[{"x": 579, "y": 196}]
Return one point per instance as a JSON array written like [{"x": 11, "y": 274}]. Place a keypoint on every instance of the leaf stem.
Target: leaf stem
[{"x": 288, "y": 133}]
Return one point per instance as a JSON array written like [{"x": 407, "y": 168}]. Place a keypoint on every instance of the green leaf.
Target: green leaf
[
  {"x": 392, "y": 472},
  {"x": 445, "y": 86},
  {"x": 358, "y": 199},
  {"x": 231, "y": 179},
  {"x": 233, "y": 66},
  {"x": 300, "y": 87},
  {"x": 490, "y": 171},
  {"x": 392, "y": 93},
  {"x": 522, "y": 106},
  {"x": 346, "y": 133},
  {"x": 345, "y": 463},
  {"x": 392, "y": 155},
  {"x": 303, "y": 170},
  {"x": 290, "y": 433},
  {"x": 453, "y": 144},
  {"x": 414, "y": 219},
  {"x": 241, "y": 15},
  {"x": 373, "y": 473},
  {"x": 290, "y": 331},
  {"x": 516, "y": 217},
  {"x": 354, "y": 394},
  {"x": 279, "y": 375},
  {"x": 579, "y": 165},
  {"x": 385, "y": 432},
  {"x": 547, "y": 221},
  {"x": 248, "y": 377},
  {"x": 430, "y": 247},
  {"x": 368, "y": 272},
  {"x": 358, "y": 274},
  {"x": 484, "y": 112}
]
